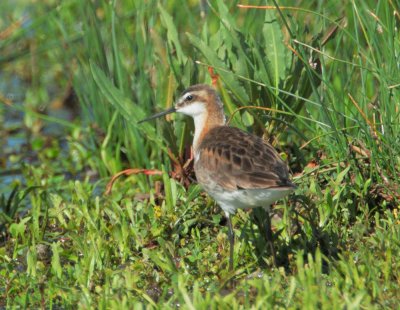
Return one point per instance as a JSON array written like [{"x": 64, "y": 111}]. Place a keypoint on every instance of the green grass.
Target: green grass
[{"x": 330, "y": 92}]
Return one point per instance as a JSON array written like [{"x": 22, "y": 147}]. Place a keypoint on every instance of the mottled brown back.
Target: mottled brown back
[{"x": 234, "y": 159}]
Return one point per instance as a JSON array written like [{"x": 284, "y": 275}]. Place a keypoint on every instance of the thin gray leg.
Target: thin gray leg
[{"x": 270, "y": 237}]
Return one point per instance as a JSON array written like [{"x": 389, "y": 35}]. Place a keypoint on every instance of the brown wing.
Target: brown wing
[{"x": 235, "y": 159}]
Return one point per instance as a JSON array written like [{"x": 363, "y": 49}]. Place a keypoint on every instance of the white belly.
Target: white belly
[{"x": 247, "y": 198}]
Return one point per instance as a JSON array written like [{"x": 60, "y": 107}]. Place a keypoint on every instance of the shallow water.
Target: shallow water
[{"x": 14, "y": 135}]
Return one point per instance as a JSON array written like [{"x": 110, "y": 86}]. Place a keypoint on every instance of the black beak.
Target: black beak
[{"x": 171, "y": 110}]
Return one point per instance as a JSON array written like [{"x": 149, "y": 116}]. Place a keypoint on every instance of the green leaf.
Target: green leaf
[
  {"x": 341, "y": 175},
  {"x": 132, "y": 113},
  {"x": 275, "y": 49},
  {"x": 55, "y": 260},
  {"x": 162, "y": 262},
  {"x": 168, "y": 191},
  {"x": 17, "y": 229},
  {"x": 247, "y": 119},
  {"x": 172, "y": 35},
  {"x": 114, "y": 95}
]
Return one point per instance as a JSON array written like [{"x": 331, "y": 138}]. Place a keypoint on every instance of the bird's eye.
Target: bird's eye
[{"x": 189, "y": 98}]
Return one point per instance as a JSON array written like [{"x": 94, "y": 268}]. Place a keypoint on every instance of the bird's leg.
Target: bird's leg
[
  {"x": 231, "y": 241},
  {"x": 269, "y": 237}
]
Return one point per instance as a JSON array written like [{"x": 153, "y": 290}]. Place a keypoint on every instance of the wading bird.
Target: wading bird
[{"x": 239, "y": 170}]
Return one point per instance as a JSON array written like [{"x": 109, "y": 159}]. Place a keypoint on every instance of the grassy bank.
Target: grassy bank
[{"x": 319, "y": 81}]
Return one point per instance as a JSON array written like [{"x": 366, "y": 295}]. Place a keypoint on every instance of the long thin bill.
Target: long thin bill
[{"x": 171, "y": 110}]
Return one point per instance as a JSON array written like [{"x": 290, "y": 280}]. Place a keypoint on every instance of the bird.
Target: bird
[{"x": 239, "y": 170}]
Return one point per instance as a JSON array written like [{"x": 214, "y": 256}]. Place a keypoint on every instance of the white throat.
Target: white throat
[
  {"x": 199, "y": 122},
  {"x": 198, "y": 112}
]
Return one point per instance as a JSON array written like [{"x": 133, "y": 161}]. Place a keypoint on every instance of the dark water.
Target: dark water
[
  {"x": 15, "y": 137},
  {"x": 12, "y": 137}
]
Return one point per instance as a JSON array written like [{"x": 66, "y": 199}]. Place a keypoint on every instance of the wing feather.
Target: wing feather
[{"x": 234, "y": 159}]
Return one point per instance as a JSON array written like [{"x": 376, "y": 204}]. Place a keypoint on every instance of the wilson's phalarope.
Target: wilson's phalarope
[{"x": 239, "y": 170}]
